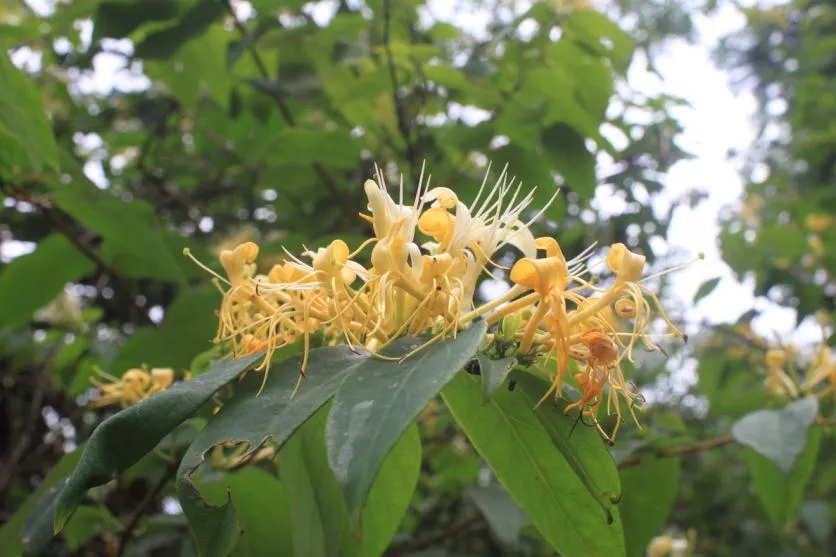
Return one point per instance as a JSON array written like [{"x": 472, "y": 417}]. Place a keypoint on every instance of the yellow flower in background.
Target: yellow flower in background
[
  {"x": 818, "y": 222},
  {"x": 553, "y": 312},
  {"x": 133, "y": 387}
]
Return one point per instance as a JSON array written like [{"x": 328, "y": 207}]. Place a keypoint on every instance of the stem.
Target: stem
[
  {"x": 515, "y": 290},
  {"x": 679, "y": 451},
  {"x": 126, "y": 532}
]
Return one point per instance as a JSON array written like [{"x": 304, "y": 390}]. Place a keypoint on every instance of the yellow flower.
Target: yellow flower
[
  {"x": 133, "y": 387},
  {"x": 818, "y": 222}
]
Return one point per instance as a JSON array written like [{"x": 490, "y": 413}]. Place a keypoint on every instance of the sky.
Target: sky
[{"x": 718, "y": 120}]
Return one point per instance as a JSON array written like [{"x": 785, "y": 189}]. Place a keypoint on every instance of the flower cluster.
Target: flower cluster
[
  {"x": 133, "y": 387},
  {"x": 554, "y": 312},
  {"x": 788, "y": 376}
]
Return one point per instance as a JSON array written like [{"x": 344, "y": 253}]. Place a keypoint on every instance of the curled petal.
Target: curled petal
[
  {"x": 626, "y": 265},
  {"x": 441, "y": 197},
  {"x": 541, "y": 275},
  {"x": 436, "y": 223}
]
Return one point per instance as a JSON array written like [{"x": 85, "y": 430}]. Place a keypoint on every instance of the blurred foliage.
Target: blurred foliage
[{"x": 130, "y": 129}]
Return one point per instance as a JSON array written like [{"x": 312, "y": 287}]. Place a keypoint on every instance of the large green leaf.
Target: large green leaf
[
  {"x": 512, "y": 438},
  {"x": 504, "y": 516},
  {"x": 779, "y": 435},
  {"x": 124, "y": 438},
  {"x": 25, "y": 132},
  {"x": 263, "y": 511},
  {"x": 322, "y": 525},
  {"x": 781, "y": 494},
  {"x": 31, "y": 281},
  {"x": 184, "y": 333},
  {"x": 120, "y": 18},
  {"x": 122, "y": 224},
  {"x": 650, "y": 490},
  {"x": 566, "y": 150},
  {"x": 378, "y": 400},
  {"x": 602, "y": 35}
]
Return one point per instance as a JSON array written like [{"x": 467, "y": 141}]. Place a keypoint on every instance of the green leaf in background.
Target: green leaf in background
[
  {"x": 124, "y": 438},
  {"x": 816, "y": 516},
  {"x": 510, "y": 436},
  {"x": 566, "y": 150},
  {"x": 214, "y": 528},
  {"x": 505, "y": 517},
  {"x": 378, "y": 400},
  {"x": 26, "y": 521},
  {"x": 120, "y": 223},
  {"x": 602, "y": 35},
  {"x": 263, "y": 511},
  {"x": 706, "y": 288},
  {"x": 185, "y": 332},
  {"x": 166, "y": 42},
  {"x": 88, "y": 522},
  {"x": 322, "y": 525},
  {"x": 650, "y": 490},
  {"x": 120, "y": 18},
  {"x": 494, "y": 372},
  {"x": 24, "y": 129},
  {"x": 195, "y": 68},
  {"x": 779, "y": 493},
  {"x": 54, "y": 263},
  {"x": 779, "y": 435}
]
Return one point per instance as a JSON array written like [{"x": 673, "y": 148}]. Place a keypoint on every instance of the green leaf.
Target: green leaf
[
  {"x": 164, "y": 43},
  {"x": 816, "y": 517},
  {"x": 297, "y": 146},
  {"x": 778, "y": 434},
  {"x": 566, "y": 150},
  {"x": 31, "y": 281},
  {"x": 505, "y": 517},
  {"x": 650, "y": 490},
  {"x": 781, "y": 494},
  {"x": 706, "y": 288},
  {"x": 582, "y": 448},
  {"x": 120, "y": 223},
  {"x": 321, "y": 523},
  {"x": 600, "y": 34},
  {"x": 494, "y": 372},
  {"x": 214, "y": 527},
  {"x": 124, "y": 438},
  {"x": 378, "y": 400},
  {"x": 33, "y": 515},
  {"x": 199, "y": 66},
  {"x": 263, "y": 511},
  {"x": 24, "y": 129},
  {"x": 510, "y": 436},
  {"x": 87, "y": 523},
  {"x": 184, "y": 333},
  {"x": 119, "y": 19}
]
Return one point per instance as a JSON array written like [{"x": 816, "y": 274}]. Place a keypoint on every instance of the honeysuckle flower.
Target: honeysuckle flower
[
  {"x": 553, "y": 311},
  {"x": 133, "y": 387}
]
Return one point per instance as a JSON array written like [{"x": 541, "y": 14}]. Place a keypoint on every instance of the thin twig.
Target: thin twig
[
  {"x": 126, "y": 532},
  {"x": 679, "y": 451}
]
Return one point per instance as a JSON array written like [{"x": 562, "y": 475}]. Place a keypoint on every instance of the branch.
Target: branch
[
  {"x": 400, "y": 110},
  {"x": 679, "y": 451},
  {"x": 431, "y": 540},
  {"x": 126, "y": 532},
  {"x": 287, "y": 114},
  {"x": 81, "y": 245}
]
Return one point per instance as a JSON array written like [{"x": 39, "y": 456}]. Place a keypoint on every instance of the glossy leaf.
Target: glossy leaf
[
  {"x": 510, "y": 436},
  {"x": 378, "y": 400},
  {"x": 24, "y": 129},
  {"x": 650, "y": 489},
  {"x": 54, "y": 263},
  {"x": 779, "y": 435},
  {"x": 263, "y": 511},
  {"x": 124, "y": 438},
  {"x": 781, "y": 494},
  {"x": 321, "y": 523}
]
